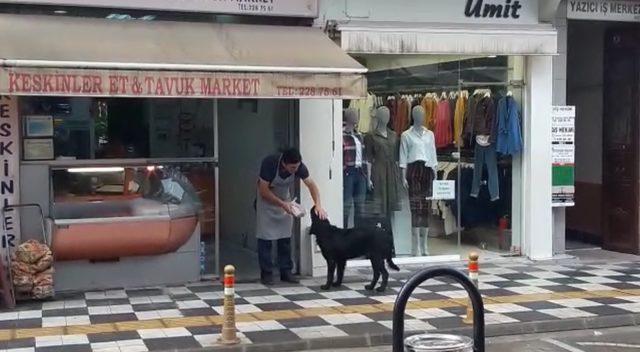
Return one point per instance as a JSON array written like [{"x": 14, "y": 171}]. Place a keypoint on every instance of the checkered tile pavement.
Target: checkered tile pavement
[{"x": 169, "y": 318}]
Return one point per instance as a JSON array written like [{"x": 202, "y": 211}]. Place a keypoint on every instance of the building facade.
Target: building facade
[
  {"x": 160, "y": 116},
  {"x": 140, "y": 134},
  {"x": 429, "y": 52},
  {"x": 598, "y": 73}
]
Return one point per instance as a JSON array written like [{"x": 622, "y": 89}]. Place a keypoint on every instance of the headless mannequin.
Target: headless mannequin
[
  {"x": 419, "y": 235},
  {"x": 383, "y": 115},
  {"x": 381, "y": 120},
  {"x": 351, "y": 119},
  {"x": 356, "y": 180}
]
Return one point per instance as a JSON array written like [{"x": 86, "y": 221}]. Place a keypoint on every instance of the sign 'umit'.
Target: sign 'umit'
[{"x": 480, "y": 9}]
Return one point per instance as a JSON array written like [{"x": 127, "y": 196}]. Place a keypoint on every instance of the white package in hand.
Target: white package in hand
[{"x": 298, "y": 210}]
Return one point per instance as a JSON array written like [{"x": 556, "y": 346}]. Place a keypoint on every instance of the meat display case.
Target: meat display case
[{"x": 108, "y": 212}]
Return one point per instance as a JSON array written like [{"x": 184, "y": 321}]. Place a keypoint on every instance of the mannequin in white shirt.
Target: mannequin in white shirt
[
  {"x": 418, "y": 161},
  {"x": 355, "y": 170}
]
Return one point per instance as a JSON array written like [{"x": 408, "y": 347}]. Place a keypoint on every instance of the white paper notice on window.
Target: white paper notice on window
[
  {"x": 173, "y": 188},
  {"x": 444, "y": 190}
]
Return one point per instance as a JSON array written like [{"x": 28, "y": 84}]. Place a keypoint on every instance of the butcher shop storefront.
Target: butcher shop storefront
[{"x": 141, "y": 140}]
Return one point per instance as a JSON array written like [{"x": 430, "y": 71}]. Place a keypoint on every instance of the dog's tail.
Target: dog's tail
[{"x": 392, "y": 265}]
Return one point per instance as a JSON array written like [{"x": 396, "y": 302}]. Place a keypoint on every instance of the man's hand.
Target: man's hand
[
  {"x": 322, "y": 214},
  {"x": 287, "y": 207}
]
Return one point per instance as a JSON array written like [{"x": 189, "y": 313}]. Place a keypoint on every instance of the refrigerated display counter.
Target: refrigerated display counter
[{"x": 110, "y": 212}]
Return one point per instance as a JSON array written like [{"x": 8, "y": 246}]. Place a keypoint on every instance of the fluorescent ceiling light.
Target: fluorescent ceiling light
[
  {"x": 124, "y": 16},
  {"x": 119, "y": 16},
  {"x": 89, "y": 170},
  {"x": 60, "y": 12}
]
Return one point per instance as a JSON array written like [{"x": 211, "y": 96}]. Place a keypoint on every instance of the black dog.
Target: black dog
[{"x": 339, "y": 245}]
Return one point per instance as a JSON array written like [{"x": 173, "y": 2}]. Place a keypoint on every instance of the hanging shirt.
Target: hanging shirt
[
  {"x": 418, "y": 146},
  {"x": 430, "y": 106},
  {"x": 365, "y": 109},
  {"x": 443, "y": 133},
  {"x": 401, "y": 119},
  {"x": 458, "y": 120},
  {"x": 509, "y": 139}
]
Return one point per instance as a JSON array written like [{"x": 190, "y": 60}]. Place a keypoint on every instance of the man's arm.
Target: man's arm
[
  {"x": 315, "y": 195},
  {"x": 266, "y": 194}
]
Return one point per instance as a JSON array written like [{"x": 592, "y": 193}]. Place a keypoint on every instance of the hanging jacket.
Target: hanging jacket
[
  {"x": 480, "y": 119},
  {"x": 402, "y": 119},
  {"x": 509, "y": 134}
]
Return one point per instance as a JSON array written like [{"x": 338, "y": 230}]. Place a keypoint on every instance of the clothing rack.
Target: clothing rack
[
  {"x": 511, "y": 83},
  {"x": 460, "y": 86}
]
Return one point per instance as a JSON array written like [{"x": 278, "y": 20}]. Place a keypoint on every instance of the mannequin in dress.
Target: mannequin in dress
[
  {"x": 381, "y": 150},
  {"x": 355, "y": 169},
  {"x": 418, "y": 161}
]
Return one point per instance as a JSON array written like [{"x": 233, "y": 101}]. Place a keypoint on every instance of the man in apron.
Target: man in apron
[{"x": 274, "y": 211}]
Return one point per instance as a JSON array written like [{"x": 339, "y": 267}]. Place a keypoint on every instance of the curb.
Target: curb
[{"x": 373, "y": 340}]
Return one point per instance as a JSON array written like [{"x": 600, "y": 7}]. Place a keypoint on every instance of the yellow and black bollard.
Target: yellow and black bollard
[
  {"x": 229, "y": 335},
  {"x": 474, "y": 268}
]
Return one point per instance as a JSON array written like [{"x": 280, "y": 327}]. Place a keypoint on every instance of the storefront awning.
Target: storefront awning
[
  {"x": 48, "y": 55},
  {"x": 362, "y": 37}
]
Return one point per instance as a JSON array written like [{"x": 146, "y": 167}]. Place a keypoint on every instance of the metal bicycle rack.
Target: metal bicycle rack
[{"x": 413, "y": 283}]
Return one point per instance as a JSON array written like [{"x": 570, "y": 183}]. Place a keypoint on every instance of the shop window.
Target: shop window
[
  {"x": 103, "y": 128},
  {"x": 468, "y": 145},
  {"x": 137, "y": 210}
]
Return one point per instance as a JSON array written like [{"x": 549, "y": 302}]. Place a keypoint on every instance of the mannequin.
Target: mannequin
[
  {"x": 355, "y": 169},
  {"x": 381, "y": 150},
  {"x": 418, "y": 161}
]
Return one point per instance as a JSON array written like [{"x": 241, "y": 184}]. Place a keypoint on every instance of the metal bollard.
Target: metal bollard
[
  {"x": 474, "y": 268},
  {"x": 229, "y": 336},
  {"x": 440, "y": 343}
]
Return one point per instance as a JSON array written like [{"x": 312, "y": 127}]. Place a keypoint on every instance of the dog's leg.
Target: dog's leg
[
  {"x": 385, "y": 277},
  {"x": 376, "y": 273},
  {"x": 331, "y": 268},
  {"x": 341, "y": 266}
]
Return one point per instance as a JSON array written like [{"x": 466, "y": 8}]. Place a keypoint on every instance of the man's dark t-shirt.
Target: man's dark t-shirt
[{"x": 270, "y": 165}]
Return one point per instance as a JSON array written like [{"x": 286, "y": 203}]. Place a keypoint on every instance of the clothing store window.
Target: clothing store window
[{"x": 431, "y": 153}]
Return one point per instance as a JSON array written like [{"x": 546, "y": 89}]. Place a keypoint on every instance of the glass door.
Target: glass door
[
  {"x": 249, "y": 130},
  {"x": 458, "y": 99}
]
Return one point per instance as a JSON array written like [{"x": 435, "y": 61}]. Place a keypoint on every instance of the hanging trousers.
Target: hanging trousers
[{"x": 486, "y": 156}]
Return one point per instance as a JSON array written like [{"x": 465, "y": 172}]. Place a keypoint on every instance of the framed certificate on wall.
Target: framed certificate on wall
[
  {"x": 38, "y": 126},
  {"x": 38, "y": 149}
]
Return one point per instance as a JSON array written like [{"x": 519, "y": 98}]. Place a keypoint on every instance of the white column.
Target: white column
[
  {"x": 321, "y": 148},
  {"x": 538, "y": 219},
  {"x": 560, "y": 98}
]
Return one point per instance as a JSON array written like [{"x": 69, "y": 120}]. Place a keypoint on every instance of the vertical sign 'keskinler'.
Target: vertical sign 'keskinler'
[{"x": 9, "y": 169}]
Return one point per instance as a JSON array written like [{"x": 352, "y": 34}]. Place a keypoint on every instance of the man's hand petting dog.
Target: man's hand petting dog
[{"x": 339, "y": 245}]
